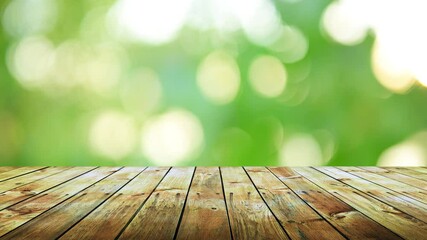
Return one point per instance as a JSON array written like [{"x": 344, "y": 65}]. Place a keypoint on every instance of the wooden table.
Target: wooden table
[{"x": 213, "y": 203}]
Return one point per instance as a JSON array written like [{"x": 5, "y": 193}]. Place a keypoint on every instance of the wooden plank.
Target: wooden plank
[
  {"x": 391, "y": 184},
  {"x": 30, "y": 177},
  {"x": 298, "y": 218},
  {"x": 18, "y": 214},
  {"x": 408, "y": 172},
  {"x": 106, "y": 221},
  {"x": 350, "y": 222},
  {"x": 398, "y": 177},
  {"x": 251, "y": 203},
  {"x": 7, "y": 168},
  {"x": 205, "y": 215},
  {"x": 18, "y": 172},
  {"x": 21, "y": 193},
  {"x": 420, "y": 169},
  {"x": 250, "y": 217},
  {"x": 395, "y": 220},
  {"x": 161, "y": 213},
  {"x": 73, "y": 209},
  {"x": 396, "y": 200}
]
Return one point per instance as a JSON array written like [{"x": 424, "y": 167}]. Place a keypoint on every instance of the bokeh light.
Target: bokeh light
[
  {"x": 154, "y": 22},
  {"x": 259, "y": 19},
  {"x": 390, "y": 74},
  {"x": 218, "y": 77},
  {"x": 400, "y": 52},
  {"x": 343, "y": 21},
  {"x": 407, "y": 154},
  {"x": 291, "y": 46},
  {"x": 113, "y": 135},
  {"x": 94, "y": 68},
  {"x": 31, "y": 61},
  {"x": 411, "y": 152},
  {"x": 301, "y": 150},
  {"x": 27, "y": 17},
  {"x": 267, "y": 76},
  {"x": 172, "y": 137},
  {"x": 213, "y": 82}
]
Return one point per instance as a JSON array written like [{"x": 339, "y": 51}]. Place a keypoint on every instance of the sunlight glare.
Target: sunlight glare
[
  {"x": 259, "y": 19},
  {"x": 400, "y": 51},
  {"x": 153, "y": 22}
]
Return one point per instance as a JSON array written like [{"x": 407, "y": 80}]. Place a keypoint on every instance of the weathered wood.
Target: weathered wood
[
  {"x": 159, "y": 216},
  {"x": 298, "y": 218},
  {"x": 205, "y": 215},
  {"x": 30, "y": 177},
  {"x": 106, "y": 221},
  {"x": 73, "y": 209},
  {"x": 395, "y": 220},
  {"x": 396, "y": 200},
  {"x": 391, "y": 184},
  {"x": 250, "y": 217},
  {"x": 21, "y": 193},
  {"x": 16, "y": 215},
  {"x": 345, "y": 218},
  {"x": 398, "y": 177},
  {"x": 17, "y": 172},
  {"x": 5, "y": 169},
  {"x": 213, "y": 203},
  {"x": 420, "y": 169},
  {"x": 408, "y": 172}
]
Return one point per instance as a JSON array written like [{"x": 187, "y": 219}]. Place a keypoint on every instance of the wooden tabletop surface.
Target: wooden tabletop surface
[{"x": 213, "y": 203}]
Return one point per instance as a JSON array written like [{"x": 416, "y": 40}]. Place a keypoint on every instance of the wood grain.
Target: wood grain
[
  {"x": 18, "y": 214},
  {"x": 205, "y": 204},
  {"x": 21, "y": 193},
  {"x": 408, "y": 172},
  {"x": 30, "y": 177},
  {"x": 342, "y": 216},
  {"x": 73, "y": 209},
  {"x": 250, "y": 217},
  {"x": 213, "y": 203},
  {"x": 5, "y": 169},
  {"x": 396, "y": 200},
  {"x": 17, "y": 172},
  {"x": 106, "y": 221},
  {"x": 414, "y": 182},
  {"x": 162, "y": 211},
  {"x": 396, "y": 186},
  {"x": 420, "y": 169},
  {"x": 395, "y": 220},
  {"x": 296, "y": 216}
]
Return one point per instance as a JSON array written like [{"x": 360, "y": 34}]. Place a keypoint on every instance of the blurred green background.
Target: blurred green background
[{"x": 213, "y": 82}]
